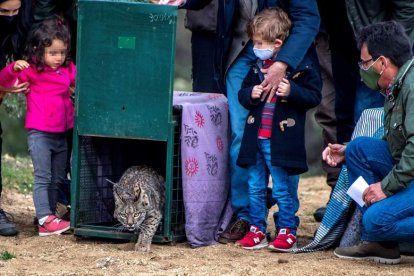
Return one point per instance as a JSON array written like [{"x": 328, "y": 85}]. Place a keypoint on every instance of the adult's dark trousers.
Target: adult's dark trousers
[
  {"x": 325, "y": 112},
  {"x": 203, "y": 50}
]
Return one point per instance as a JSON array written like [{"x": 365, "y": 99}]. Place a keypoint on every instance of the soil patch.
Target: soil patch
[{"x": 70, "y": 255}]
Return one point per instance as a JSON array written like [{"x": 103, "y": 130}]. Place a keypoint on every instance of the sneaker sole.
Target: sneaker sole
[
  {"x": 376, "y": 259},
  {"x": 54, "y": 233},
  {"x": 258, "y": 246},
  {"x": 226, "y": 241},
  {"x": 275, "y": 249}
]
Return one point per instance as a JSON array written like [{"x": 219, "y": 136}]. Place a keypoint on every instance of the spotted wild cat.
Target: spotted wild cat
[{"x": 139, "y": 202}]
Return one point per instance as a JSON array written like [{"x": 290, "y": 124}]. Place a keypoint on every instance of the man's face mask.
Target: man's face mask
[
  {"x": 369, "y": 76},
  {"x": 263, "y": 54}
]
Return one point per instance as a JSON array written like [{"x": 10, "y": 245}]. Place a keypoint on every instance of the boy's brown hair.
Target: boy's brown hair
[{"x": 271, "y": 24}]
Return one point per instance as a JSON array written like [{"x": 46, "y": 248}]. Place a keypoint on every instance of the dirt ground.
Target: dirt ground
[{"x": 70, "y": 255}]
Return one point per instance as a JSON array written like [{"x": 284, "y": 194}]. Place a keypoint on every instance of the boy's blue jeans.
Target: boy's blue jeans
[
  {"x": 391, "y": 219},
  {"x": 284, "y": 190},
  {"x": 48, "y": 152}
]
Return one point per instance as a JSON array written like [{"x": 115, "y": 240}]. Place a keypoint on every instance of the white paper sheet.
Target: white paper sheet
[{"x": 357, "y": 189}]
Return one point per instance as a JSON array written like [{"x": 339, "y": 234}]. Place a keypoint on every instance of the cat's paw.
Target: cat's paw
[{"x": 142, "y": 247}]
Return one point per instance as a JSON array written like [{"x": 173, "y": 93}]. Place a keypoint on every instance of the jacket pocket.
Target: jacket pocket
[{"x": 396, "y": 134}]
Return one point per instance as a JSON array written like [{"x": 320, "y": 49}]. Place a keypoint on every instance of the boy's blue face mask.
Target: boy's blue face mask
[{"x": 263, "y": 54}]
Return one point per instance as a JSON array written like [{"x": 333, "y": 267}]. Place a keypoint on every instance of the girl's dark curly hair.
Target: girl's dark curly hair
[{"x": 42, "y": 37}]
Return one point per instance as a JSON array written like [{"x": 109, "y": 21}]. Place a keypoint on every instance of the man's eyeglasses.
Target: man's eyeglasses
[{"x": 363, "y": 64}]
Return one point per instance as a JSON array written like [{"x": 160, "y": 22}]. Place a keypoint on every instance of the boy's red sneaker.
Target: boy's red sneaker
[
  {"x": 53, "y": 226},
  {"x": 285, "y": 241},
  {"x": 254, "y": 239}
]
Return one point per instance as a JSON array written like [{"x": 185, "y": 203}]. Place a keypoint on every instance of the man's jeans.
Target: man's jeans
[
  {"x": 284, "y": 191},
  {"x": 391, "y": 219},
  {"x": 238, "y": 114},
  {"x": 48, "y": 152}
]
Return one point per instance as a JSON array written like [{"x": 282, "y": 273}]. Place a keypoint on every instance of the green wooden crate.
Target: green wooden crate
[{"x": 125, "y": 71}]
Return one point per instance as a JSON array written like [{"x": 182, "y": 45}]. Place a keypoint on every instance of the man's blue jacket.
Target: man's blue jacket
[{"x": 305, "y": 25}]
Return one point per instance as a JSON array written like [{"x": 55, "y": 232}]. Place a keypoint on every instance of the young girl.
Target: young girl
[{"x": 49, "y": 114}]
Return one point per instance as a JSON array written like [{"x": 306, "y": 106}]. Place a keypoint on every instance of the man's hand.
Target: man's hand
[
  {"x": 373, "y": 194},
  {"x": 334, "y": 154},
  {"x": 20, "y": 65},
  {"x": 171, "y": 2},
  {"x": 274, "y": 75}
]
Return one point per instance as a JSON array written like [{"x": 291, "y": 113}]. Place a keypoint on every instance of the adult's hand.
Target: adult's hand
[
  {"x": 274, "y": 74},
  {"x": 373, "y": 194},
  {"x": 17, "y": 88},
  {"x": 171, "y": 2},
  {"x": 334, "y": 154}
]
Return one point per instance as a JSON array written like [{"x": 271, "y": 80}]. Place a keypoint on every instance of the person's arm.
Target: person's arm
[
  {"x": 305, "y": 25},
  {"x": 403, "y": 172},
  {"x": 403, "y": 14},
  {"x": 8, "y": 76},
  {"x": 72, "y": 74},
  {"x": 245, "y": 93},
  {"x": 305, "y": 88},
  {"x": 187, "y": 4}
]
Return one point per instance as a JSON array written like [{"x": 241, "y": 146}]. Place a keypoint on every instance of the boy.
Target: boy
[{"x": 274, "y": 131}]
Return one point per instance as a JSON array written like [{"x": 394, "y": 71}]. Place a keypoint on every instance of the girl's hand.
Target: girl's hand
[
  {"x": 257, "y": 91},
  {"x": 283, "y": 90},
  {"x": 72, "y": 90},
  {"x": 20, "y": 65}
]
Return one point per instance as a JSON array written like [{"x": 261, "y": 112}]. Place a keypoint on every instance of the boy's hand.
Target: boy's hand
[
  {"x": 283, "y": 90},
  {"x": 257, "y": 91},
  {"x": 20, "y": 65}
]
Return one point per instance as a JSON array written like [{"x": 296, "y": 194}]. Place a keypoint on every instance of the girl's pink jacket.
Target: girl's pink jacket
[{"x": 49, "y": 107}]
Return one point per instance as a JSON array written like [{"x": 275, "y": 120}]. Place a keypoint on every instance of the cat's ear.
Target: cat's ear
[
  {"x": 145, "y": 200},
  {"x": 117, "y": 192}
]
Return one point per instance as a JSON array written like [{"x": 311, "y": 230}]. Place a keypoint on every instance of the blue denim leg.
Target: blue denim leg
[
  {"x": 368, "y": 157},
  {"x": 257, "y": 193},
  {"x": 238, "y": 114},
  {"x": 48, "y": 152},
  {"x": 366, "y": 98},
  {"x": 284, "y": 190},
  {"x": 391, "y": 219}
]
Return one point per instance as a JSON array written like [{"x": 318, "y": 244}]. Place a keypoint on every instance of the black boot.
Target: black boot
[{"x": 7, "y": 228}]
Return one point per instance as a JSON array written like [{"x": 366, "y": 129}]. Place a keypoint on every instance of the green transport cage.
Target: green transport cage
[{"x": 124, "y": 114}]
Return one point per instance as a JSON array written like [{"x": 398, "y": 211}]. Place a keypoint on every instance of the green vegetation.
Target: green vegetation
[
  {"x": 17, "y": 173},
  {"x": 6, "y": 255}
]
